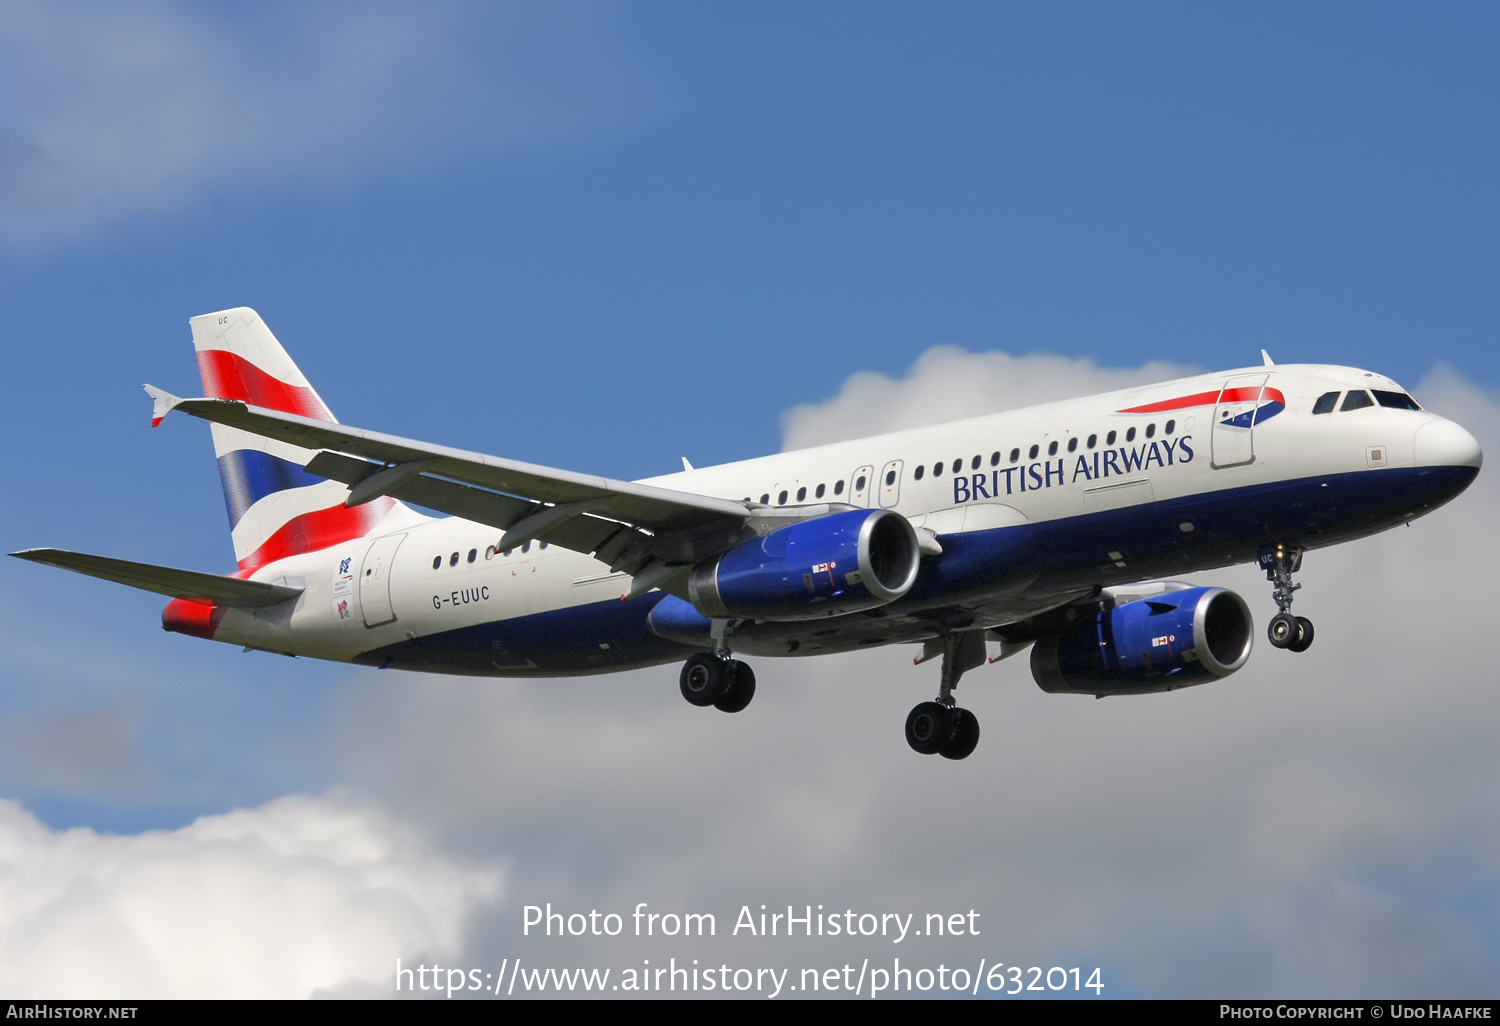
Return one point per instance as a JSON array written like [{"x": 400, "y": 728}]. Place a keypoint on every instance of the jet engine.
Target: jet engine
[
  {"x": 1171, "y": 640},
  {"x": 827, "y": 566}
]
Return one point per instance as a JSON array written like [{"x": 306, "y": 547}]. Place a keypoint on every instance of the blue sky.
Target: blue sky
[{"x": 606, "y": 236}]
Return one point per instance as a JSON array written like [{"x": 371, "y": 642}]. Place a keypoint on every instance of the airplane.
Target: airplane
[{"x": 1054, "y": 528}]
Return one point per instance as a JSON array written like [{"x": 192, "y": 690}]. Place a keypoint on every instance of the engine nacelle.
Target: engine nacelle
[
  {"x": 827, "y": 566},
  {"x": 1169, "y": 641}
]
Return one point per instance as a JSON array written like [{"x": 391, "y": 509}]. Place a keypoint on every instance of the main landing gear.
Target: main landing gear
[
  {"x": 1285, "y": 630},
  {"x": 940, "y": 727},
  {"x": 709, "y": 678}
]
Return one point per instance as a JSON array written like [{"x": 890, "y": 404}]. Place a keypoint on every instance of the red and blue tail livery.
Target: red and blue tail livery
[
  {"x": 276, "y": 508},
  {"x": 1049, "y": 529}
]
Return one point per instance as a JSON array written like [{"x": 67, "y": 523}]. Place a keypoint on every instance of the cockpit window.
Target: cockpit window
[
  {"x": 1326, "y": 402},
  {"x": 1355, "y": 400},
  {"x": 1395, "y": 400}
]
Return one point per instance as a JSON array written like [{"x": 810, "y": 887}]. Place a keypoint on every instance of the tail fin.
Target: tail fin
[{"x": 276, "y": 509}]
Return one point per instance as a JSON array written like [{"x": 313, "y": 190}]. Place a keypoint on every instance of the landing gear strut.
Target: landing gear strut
[
  {"x": 940, "y": 727},
  {"x": 1285, "y": 630}
]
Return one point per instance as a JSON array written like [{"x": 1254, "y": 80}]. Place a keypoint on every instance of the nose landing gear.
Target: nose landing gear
[
  {"x": 940, "y": 727},
  {"x": 1285, "y": 630}
]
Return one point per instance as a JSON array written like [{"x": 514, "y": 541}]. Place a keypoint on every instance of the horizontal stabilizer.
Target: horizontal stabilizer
[{"x": 165, "y": 580}]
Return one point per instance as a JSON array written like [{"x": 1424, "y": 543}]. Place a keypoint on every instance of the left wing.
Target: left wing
[
  {"x": 630, "y": 526},
  {"x": 166, "y": 580}
]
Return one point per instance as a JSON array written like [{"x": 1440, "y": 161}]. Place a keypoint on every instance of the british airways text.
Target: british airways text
[{"x": 1087, "y": 467}]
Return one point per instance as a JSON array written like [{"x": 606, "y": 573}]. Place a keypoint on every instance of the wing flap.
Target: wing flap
[{"x": 165, "y": 580}]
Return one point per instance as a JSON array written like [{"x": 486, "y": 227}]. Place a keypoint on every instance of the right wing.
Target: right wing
[{"x": 632, "y": 527}]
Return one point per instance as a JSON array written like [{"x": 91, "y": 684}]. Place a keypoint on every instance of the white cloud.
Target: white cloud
[
  {"x": 298, "y": 896},
  {"x": 948, "y": 383},
  {"x": 114, "y": 111}
]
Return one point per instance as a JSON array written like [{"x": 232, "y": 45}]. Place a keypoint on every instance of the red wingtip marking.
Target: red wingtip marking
[{"x": 156, "y": 421}]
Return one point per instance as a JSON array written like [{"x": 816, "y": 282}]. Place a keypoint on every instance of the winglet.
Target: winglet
[
  {"x": 1267, "y": 357},
  {"x": 685, "y": 464},
  {"x": 163, "y": 403}
]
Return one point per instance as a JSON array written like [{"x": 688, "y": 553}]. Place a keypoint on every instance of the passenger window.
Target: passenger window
[
  {"x": 473, "y": 555},
  {"x": 995, "y": 458},
  {"x": 453, "y": 559},
  {"x": 801, "y": 493},
  {"x": 1395, "y": 400},
  {"x": 838, "y": 487},
  {"x": 937, "y": 470},
  {"x": 1355, "y": 400},
  {"x": 437, "y": 561},
  {"x": 820, "y": 490},
  {"x": 1073, "y": 445},
  {"x": 1326, "y": 402},
  {"x": 765, "y": 500},
  {"x": 890, "y": 477},
  {"x": 1171, "y": 426},
  {"x": 526, "y": 546},
  {"x": 958, "y": 465},
  {"x": 1093, "y": 441},
  {"x": 975, "y": 464},
  {"x": 1150, "y": 430},
  {"x": 1052, "y": 449},
  {"x": 1109, "y": 439},
  {"x": 1015, "y": 454},
  {"x": 544, "y": 545},
  {"x": 1034, "y": 450},
  {"x": 917, "y": 474},
  {"x": 781, "y": 499},
  {"x": 1130, "y": 435},
  {"x": 859, "y": 485}
]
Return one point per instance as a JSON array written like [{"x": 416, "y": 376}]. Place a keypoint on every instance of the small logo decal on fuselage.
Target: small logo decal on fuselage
[{"x": 343, "y": 588}]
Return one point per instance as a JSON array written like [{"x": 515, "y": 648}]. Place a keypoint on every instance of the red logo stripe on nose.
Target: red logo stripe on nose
[{"x": 1248, "y": 394}]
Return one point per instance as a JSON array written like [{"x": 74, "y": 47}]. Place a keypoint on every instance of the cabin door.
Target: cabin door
[
  {"x": 375, "y": 580},
  {"x": 1234, "y": 421}
]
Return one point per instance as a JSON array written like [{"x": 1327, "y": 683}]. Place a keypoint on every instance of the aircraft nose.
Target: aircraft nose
[{"x": 1444, "y": 443}]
